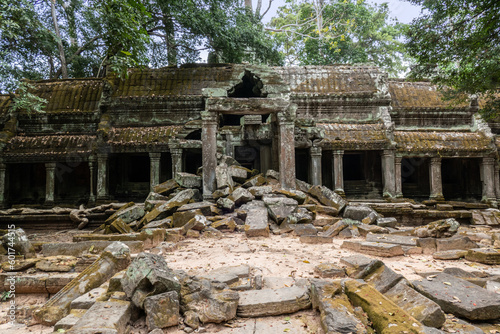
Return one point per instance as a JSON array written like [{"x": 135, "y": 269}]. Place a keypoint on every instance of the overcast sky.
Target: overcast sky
[{"x": 402, "y": 10}]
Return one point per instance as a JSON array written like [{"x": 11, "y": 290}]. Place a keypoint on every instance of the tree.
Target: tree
[
  {"x": 322, "y": 32},
  {"x": 457, "y": 44}
]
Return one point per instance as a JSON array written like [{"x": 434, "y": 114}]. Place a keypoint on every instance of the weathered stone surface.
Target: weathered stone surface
[
  {"x": 255, "y": 181},
  {"x": 115, "y": 258},
  {"x": 387, "y": 222},
  {"x": 297, "y": 195},
  {"x": 374, "y": 248},
  {"x": 428, "y": 245},
  {"x": 336, "y": 312},
  {"x": 355, "y": 264},
  {"x": 148, "y": 275},
  {"x": 418, "y": 306},
  {"x": 454, "y": 254},
  {"x": 164, "y": 210},
  {"x": 226, "y": 204},
  {"x": 256, "y": 223},
  {"x": 380, "y": 276},
  {"x": 119, "y": 226},
  {"x": 69, "y": 321},
  {"x": 280, "y": 207},
  {"x": 228, "y": 275},
  {"x": 82, "y": 247},
  {"x": 265, "y": 302},
  {"x": 118, "y": 212},
  {"x": 129, "y": 214},
  {"x": 162, "y": 223},
  {"x": 460, "y": 297},
  {"x": 223, "y": 192},
  {"x": 259, "y": 191},
  {"x": 225, "y": 224},
  {"x": 329, "y": 270},
  {"x": 456, "y": 242},
  {"x": 209, "y": 302},
  {"x": 493, "y": 286},
  {"x": 315, "y": 239},
  {"x": 107, "y": 317},
  {"x": 327, "y": 197},
  {"x": 85, "y": 301},
  {"x": 241, "y": 196},
  {"x": 57, "y": 263},
  {"x": 438, "y": 229},
  {"x": 180, "y": 219},
  {"x": 35, "y": 283},
  {"x": 364, "y": 229},
  {"x": 483, "y": 255},
  {"x": 392, "y": 239},
  {"x": 336, "y": 228},
  {"x": 166, "y": 187},
  {"x": 304, "y": 229},
  {"x": 187, "y": 180},
  {"x": 18, "y": 240},
  {"x": 222, "y": 176},
  {"x": 238, "y": 173},
  {"x": 19, "y": 265},
  {"x": 204, "y": 207},
  {"x": 358, "y": 212},
  {"x": 386, "y": 316},
  {"x": 162, "y": 310}
]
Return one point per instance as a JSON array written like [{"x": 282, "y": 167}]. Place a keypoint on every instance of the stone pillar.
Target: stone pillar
[
  {"x": 209, "y": 152},
  {"x": 102, "y": 177},
  {"x": 315, "y": 165},
  {"x": 154, "y": 169},
  {"x": 265, "y": 158},
  {"x": 435, "y": 179},
  {"x": 489, "y": 181},
  {"x": 176, "y": 154},
  {"x": 50, "y": 182},
  {"x": 497, "y": 181},
  {"x": 229, "y": 145},
  {"x": 338, "y": 172},
  {"x": 388, "y": 175},
  {"x": 286, "y": 127},
  {"x": 92, "y": 171},
  {"x": 398, "y": 186},
  {"x": 3, "y": 185}
]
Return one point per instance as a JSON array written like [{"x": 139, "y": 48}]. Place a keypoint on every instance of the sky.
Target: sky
[{"x": 402, "y": 10}]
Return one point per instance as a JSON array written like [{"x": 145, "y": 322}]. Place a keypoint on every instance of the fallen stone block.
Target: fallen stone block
[
  {"x": 35, "y": 283},
  {"x": 456, "y": 242},
  {"x": 329, "y": 270},
  {"x": 239, "y": 173},
  {"x": 148, "y": 275},
  {"x": 305, "y": 229},
  {"x": 374, "y": 248},
  {"x": 265, "y": 302},
  {"x": 203, "y": 207},
  {"x": 166, "y": 187},
  {"x": 386, "y": 316},
  {"x": 188, "y": 180},
  {"x": 108, "y": 317},
  {"x": 364, "y": 229},
  {"x": 355, "y": 264},
  {"x": 85, "y": 301},
  {"x": 387, "y": 222},
  {"x": 483, "y": 255},
  {"x": 428, "y": 245},
  {"x": 358, "y": 212},
  {"x": 255, "y": 181},
  {"x": 336, "y": 228},
  {"x": 128, "y": 214},
  {"x": 336, "y": 312},
  {"x": 418, "y": 306},
  {"x": 280, "y": 207},
  {"x": 392, "y": 239},
  {"x": 380, "y": 276},
  {"x": 162, "y": 310},
  {"x": 225, "y": 224},
  {"x": 438, "y": 229},
  {"x": 149, "y": 237},
  {"x": 115, "y": 257},
  {"x": 225, "y": 204},
  {"x": 460, "y": 297},
  {"x": 454, "y": 254},
  {"x": 163, "y": 210},
  {"x": 222, "y": 177},
  {"x": 256, "y": 223},
  {"x": 118, "y": 212},
  {"x": 241, "y": 196},
  {"x": 119, "y": 226},
  {"x": 83, "y": 247},
  {"x": 315, "y": 239},
  {"x": 228, "y": 275},
  {"x": 69, "y": 321},
  {"x": 179, "y": 219},
  {"x": 19, "y": 264},
  {"x": 327, "y": 197},
  {"x": 57, "y": 263},
  {"x": 19, "y": 242}
]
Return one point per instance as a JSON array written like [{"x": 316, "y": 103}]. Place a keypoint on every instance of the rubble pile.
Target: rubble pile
[{"x": 110, "y": 279}]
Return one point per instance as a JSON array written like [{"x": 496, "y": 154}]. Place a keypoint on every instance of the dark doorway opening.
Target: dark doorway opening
[
  {"x": 302, "y": 164},
  {"x": 461, "y": 179},
  {"x": 415, "y": 178},
  {"x": 363, "y": 175},
  {"x": 26, "y": 183}
]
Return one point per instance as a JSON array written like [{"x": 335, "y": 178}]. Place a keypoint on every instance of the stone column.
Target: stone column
[
  {"x": 229, "y": 145},
  {"x": 92, "y": 171},
  {"x": 398, "y": 186},
  {"x": 102, "y": 177},
  {"x": 154, "y": 169},
  {"x": 50, "y": 182},
  {"x": 435, "y": 179},
  {"x": 209, "y": 152},
  {"x": 497, "y": 181},
  {"x": 338, "y": 172},
  {"x": 3, "y": 185},
  {"x": 265, "y": 158},
  {"x": 388, "y": 175},
  {"x": 489, "y": 181},
  {"x": 286, "y": 127},
  {"x": 315, "y": 165},
  {"x": 176, "y": 154}
]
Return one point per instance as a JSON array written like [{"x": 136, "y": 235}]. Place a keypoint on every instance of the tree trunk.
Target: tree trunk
[
  {"x": 64, "y": 68},
  {"x": 248, "y": 4}
]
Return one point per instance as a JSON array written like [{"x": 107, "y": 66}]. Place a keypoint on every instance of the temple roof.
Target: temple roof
[
  {"x": 417, "y": 95},
  {"x": 70, "y": 95},
  {"x": 441, "y": 141},
  {"x": 354, "y": 136},
  {"x": 142, "y": 136},
  {"x": 331, "y": 80},
  {"x": 4, "y": 104},
  {"x": 53, "y": 145}
]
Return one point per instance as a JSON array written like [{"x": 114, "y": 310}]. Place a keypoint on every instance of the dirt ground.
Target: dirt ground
[{"x": 280, "y": 256}]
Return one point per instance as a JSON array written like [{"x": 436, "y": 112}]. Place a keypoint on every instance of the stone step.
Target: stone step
[
  {"x": 373, "y": 248},
  {"x": 36, "y": 283}
]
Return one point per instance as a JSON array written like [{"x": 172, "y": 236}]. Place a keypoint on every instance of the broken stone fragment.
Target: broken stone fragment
[
  {"x": 120, "y": 226},
  {"x": 364, "y": 229},
  {"x": 329, "y": 270},
  {"x": 162, "y": 310},
  {"x": 460, "y": 297},
  {"x": 380, "y": 276},
  {"x": 327, "y": 197},
  {"x": 483, "y": 255},
  {"x": 256, "y": 223},
  {"x": 18, "y": 240},
  {"x": 280, "y": 207},
  {"x": 358, "y": 212},
  {"x": 19, "y": 264},
  {"x": 387, "y": 222},
  {"x": 118, "y": 212},
  {"x": 130, "y": 214},
  {"x": 59, "y": 263},
  {"x": 259, "y": 191},
  {"x": 222, "y": 177},
  {"x": 241, "y": 196},
  {"x": 115, "y": 258},
  {"x": 187, "y": 180},
  {"x": 239, "y": 173},
  {"x": 166, "y": 187},
  {"x": 453, "y": 254},
  {"x": 227, "y": 223},
  {"x": 438, "y": 229},
  {"x": 315, "y": 239},
  {"x": 255, "y": 181},
  {"x": 265, "y": 302},
  {"x": 148, "y": 275},
  {"x": 455, "y": 242},
  {"x": 226, "y": 204},
  {"x": 336, "y": 228},
  {"x": 297, "y": 195},
  {"x": 305, "y": 229},
  {"x": 85, "y": 301}
]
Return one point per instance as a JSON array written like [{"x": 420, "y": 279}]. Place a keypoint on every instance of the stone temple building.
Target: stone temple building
[{"x": 349, "y": 128}]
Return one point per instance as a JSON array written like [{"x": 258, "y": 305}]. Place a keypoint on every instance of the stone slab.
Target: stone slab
[
  {"x": 460, "y": 297},
  {"x": 256, "y": 223},
  {"x": 456, "y": 242},
  {"x": 392, "y": 239},
  {"x": 107, "y": 317},
  {"x": 483, "y": 255},
  {"x": 85, "y": 301},
  {"x": 450, "y": 254},
  {"x": 37, "y": 283},
  {"x": 265, "y": 302},
  {"x": 315, "y": 239},
  {"x": 374, "y": 248},
  {"x": 79, "y": 248}
]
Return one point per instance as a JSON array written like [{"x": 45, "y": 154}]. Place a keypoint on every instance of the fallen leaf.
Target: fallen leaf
[
  {"x": 447, "y": 283},
  {"x": 305, "y": 261}
]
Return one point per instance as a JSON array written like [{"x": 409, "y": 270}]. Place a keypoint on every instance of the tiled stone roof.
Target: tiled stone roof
[
  {"x": 66, "y": 145},
  {"x": 142, "y": 136},
  {"x": 441, "y": 141},
  {"x": 70, "y": 95},
  {"x": 330, "y": 80},
  {"x": 354, "y": 136}
]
